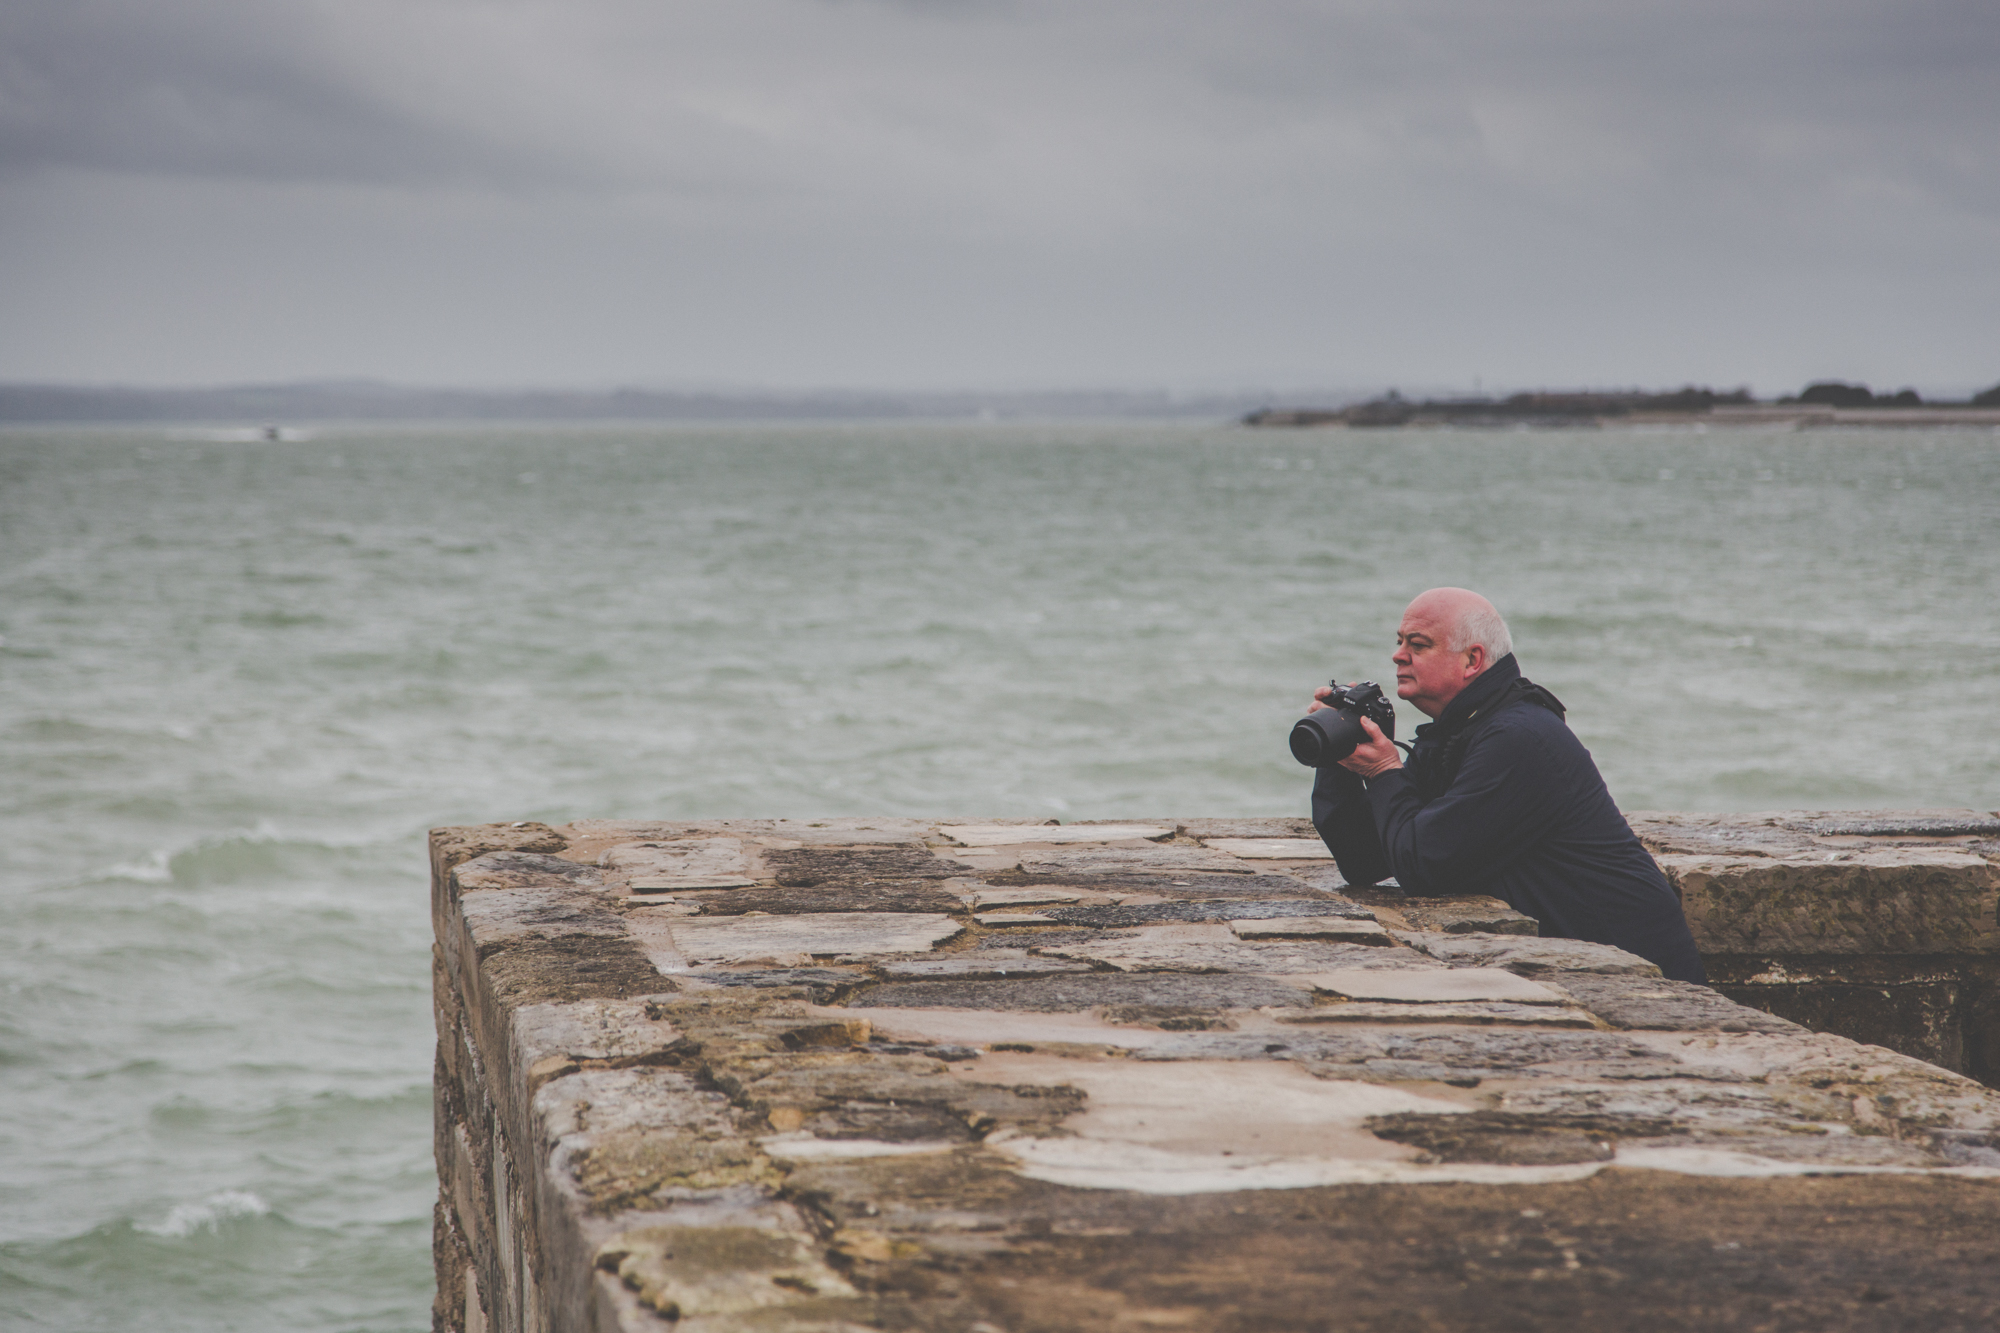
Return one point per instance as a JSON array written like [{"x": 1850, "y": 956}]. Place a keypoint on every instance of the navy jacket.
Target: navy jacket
[{"x": 1526, "y": 818}]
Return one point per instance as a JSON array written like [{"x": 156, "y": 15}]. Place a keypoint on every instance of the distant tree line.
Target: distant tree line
[
  {"x": 1838, "y": 393},
  {"x": 1584, "y": 407}
]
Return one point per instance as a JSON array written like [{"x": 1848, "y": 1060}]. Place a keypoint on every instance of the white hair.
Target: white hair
[{"x": 1481, "y": 624}]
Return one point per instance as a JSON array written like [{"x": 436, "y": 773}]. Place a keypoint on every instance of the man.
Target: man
[{"x": 1498, "y": 797}]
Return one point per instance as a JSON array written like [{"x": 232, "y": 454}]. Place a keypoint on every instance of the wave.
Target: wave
[
  {"x": 210, "y": 1214},
  {"x": 260, "y": 851}
]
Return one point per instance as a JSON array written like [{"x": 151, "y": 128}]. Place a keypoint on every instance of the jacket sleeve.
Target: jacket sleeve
[
  {"x": 1345, "y": 824},
  {"x": 1507, "y": 795}
]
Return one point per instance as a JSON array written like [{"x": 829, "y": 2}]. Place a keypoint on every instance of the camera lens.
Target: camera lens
[{"x": 1323, "y": 739}]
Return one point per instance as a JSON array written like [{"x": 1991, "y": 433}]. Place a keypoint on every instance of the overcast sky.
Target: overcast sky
[{"x": 1002, "y": 193}]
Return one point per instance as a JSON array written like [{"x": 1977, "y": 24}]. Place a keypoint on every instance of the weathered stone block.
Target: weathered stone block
[
  {"x": 1444, "y": 1011},
  {"x": 515, "y": 870},
  {"x": 1088, "y": 991},
  {"x": 1526, "y": 955},
  {"x": 803, "y": 867},
  {"x": 1214, "y": 947},
  {"x": 1114, "y": 861},
  {"x": 1435, "y": 986},
  {"x": 1272, "y": 849},
  {"x": 986, "y": 896},
  {"x": 1472, "y": 913},
  {"x": 1339, "y": 928},
  {"x": 1227, "y": 909},
  {"x": 983, "y": 965},
  {"x": 815, "y": 935},
  {"x": 1653, "y": 1002},
  {"x": 1204, "y": 829},
  {"x": 1000, "y": 835},
  {"x": 692, "y": 863},
  {"x": 1872, "y": 901},
  {"x": 694, "y": 1273},
  {"x": 1177, "y": 886},
  {"x": 874, "y": 895},
  {"x": 451, "y": 847}
]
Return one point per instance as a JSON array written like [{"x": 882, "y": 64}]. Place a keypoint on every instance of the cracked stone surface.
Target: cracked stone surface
[
  {"x": 1089, "y": 990},
  {"x": 1214, "y": 947},
  {"x": 1154, "y": 1092},
  {"x": 1637, "y": 1001},
  {"x": 1242, "y": 909},
  {"x": 1527, "y": 955},
  {"x": 1796, "y": 832},
  {"x": 803, "y": 935},
  {"x": 1309, "y": 928},
  {"x": 1177, "y": 886},
  {"x": 875, "y": 895},
  {"x": 1445, "y": 1011},
  {"x": 803, "y": 867},
  {"x": 1438, "y": 985},
  {"x": 977, "y": 965},
  {"x": 1272, "y": 849},
  {"x": 689, "y": 863},
  {"x": 1467, "y": 915},
  {"x": 514, "y": 870},
  {"x": 1126, "y": 860},
  {"x": 997, "y": 835},
  {"x": 985, "y": 896},
  {"x": 1203, "y": 829}
]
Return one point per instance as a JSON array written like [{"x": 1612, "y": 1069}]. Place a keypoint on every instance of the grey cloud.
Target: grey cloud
[
  {"x": 806, "y": 95},
  {"x": 200, "y": 89},
  {"x": 1137, "y": 175}
]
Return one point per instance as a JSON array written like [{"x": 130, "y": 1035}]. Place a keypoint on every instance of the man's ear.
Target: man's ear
[{"x": 1475, "y": 660}]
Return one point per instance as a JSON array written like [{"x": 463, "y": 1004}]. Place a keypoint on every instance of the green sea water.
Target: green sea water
[{"x": 240, "y": 678}]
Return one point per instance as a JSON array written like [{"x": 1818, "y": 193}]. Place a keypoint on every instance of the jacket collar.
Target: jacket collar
[{"x": 1484, "y": 689}]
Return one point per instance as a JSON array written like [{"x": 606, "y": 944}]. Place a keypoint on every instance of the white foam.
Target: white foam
[
  {"x": 184, "y": 1219},
  {"x": 152, "y": 868}
]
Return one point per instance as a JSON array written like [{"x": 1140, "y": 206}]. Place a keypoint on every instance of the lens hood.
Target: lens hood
[{"x": 1323, "y": 739}]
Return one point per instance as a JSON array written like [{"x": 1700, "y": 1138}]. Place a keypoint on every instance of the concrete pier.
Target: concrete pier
[{"x": 980, "y": 1075}]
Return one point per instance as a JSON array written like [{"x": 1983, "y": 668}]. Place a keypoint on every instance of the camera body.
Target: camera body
[{"x": 1324, "y": 738}]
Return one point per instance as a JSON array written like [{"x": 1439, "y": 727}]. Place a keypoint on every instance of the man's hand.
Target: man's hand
[
  {"x": 1374, "y": 756},
  {"x": 1319, "y": 699}
]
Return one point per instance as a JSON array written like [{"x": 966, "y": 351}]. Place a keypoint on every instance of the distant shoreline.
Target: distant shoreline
[
  {"x": 278, "y": 409},
  {"x": 1828, "y": 403},
  {"x": 1800, "y": 417}
]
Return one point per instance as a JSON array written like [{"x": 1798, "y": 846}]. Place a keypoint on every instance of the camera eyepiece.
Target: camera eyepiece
[{"x": 1324, "y": 738}]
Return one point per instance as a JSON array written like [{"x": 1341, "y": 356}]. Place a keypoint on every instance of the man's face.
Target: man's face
[{"x": 1428, "y": 675}]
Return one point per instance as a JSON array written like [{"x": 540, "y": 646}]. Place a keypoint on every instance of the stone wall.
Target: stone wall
[
  {"x": 897, "y": 1074},
  {"x": 1882, "y": 926}
]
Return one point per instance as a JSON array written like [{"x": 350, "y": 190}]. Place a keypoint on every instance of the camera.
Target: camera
[{"x": 1324, "y": 738}]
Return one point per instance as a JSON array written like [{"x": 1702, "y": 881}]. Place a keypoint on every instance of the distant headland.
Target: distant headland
[
  {"x": 377, "y": 401},
  {"x": 1825, "y": 403},
  {"x": 263, "y": 407}
]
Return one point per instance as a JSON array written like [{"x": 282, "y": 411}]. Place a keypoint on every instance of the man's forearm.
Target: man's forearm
[
  {"x": 1393, "y": 807},
  {"x": 1346, "y": 824}
]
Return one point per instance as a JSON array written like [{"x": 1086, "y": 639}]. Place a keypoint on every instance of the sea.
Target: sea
[{"x": 241, "y": 677}]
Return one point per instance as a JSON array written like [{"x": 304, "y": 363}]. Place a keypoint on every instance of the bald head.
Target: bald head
[
  {"x": 1467, "y": 620},
  {"x": 1449, "y": 636}
]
